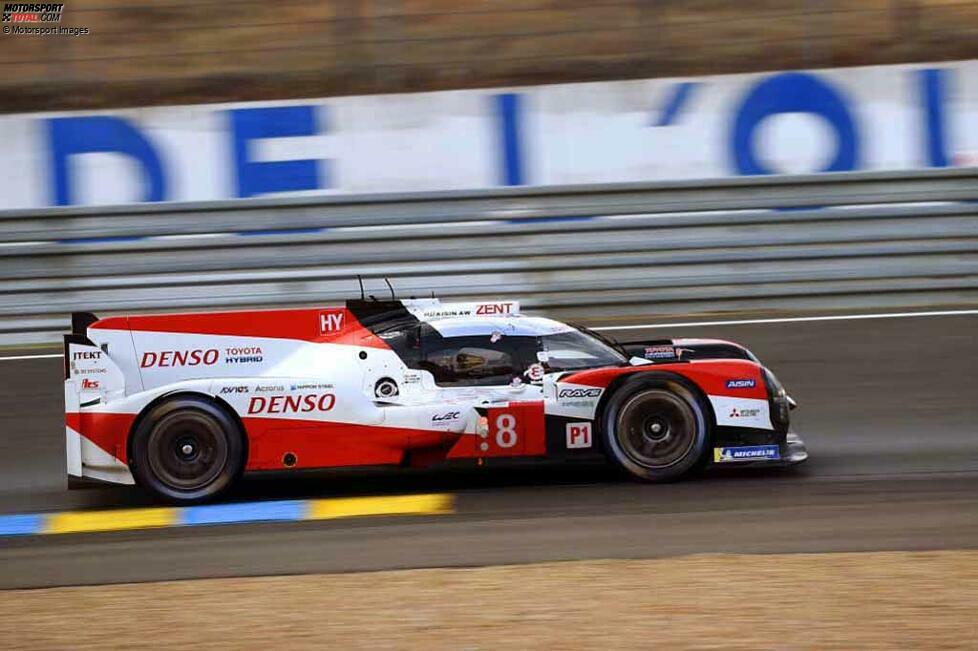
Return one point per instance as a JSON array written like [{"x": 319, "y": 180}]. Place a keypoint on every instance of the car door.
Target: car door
[{"x": 490, "y": 367}]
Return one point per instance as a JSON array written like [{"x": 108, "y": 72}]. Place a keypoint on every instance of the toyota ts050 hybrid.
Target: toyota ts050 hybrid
[{"x": 183, "y": 404}]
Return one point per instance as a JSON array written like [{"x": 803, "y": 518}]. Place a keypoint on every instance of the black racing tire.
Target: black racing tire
[
  {"x": 656, "y": 429},
  {"x": 186, "y": 449}
]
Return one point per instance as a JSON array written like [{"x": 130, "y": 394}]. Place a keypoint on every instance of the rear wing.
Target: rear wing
[
  {"x": 91, "y": 378},
  {"x": 88, "y": 366},
  {"x": 79, "y": 335}
]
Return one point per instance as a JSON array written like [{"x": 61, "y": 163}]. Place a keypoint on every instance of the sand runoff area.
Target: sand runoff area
[{"x": 886, "y": 600}]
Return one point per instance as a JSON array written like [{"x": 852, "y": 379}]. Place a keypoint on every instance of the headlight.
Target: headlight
[{"x": 779, "y": 400}]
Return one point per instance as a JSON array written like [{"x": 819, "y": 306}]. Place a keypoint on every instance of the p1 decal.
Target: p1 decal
[
  {"x": 330, "y": 322},
  {"x": 578, "y": 435},
  {"x": 746, "y": 453}
]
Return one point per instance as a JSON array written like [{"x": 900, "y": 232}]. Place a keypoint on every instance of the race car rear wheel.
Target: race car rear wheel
[
  {"x": 186, "y": 449},
  {"x": 656, "y": 430}
]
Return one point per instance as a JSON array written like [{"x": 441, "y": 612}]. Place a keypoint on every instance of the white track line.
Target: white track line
[
  {"x": 696, "y": 324},
  {"x": 16, "y": 357},
  {"x": 795, "y": 319}
]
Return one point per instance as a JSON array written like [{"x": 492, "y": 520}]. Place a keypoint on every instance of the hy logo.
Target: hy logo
[{"x": 330, "y": 322}]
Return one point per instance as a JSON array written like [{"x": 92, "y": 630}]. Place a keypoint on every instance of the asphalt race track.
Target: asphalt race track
[{"x": 888, "y": 408}]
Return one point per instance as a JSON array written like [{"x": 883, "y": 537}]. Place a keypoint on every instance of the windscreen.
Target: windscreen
[{"x": 574, "y": 350}]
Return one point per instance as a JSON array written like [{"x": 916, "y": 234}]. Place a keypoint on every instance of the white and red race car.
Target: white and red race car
[{"x": 183, "y": 404}]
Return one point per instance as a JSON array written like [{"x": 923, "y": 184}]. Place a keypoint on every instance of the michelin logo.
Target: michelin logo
[{"x": 746, "y": 453}]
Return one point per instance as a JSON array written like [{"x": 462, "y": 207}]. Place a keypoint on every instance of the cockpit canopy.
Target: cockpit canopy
[{"x": 490, "y": 351}]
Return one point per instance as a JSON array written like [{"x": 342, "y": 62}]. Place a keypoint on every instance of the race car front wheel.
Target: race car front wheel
[
  {"x": 656, "y": 430},
  {"x": 186, "y": 449}
]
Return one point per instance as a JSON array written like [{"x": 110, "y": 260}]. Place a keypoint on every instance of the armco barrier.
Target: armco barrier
[{"x": 860, "y": 241}]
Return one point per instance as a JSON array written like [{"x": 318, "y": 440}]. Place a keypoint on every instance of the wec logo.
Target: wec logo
[
  {"x": 451, "y": 415},
  {"x": 578, "y": 435},
  {"x": 173, "y": 358}
]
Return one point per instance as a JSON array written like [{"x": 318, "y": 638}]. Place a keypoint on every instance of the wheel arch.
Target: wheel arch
[
  {"x": 221, "y": 404},
  {"x": 668, "y": 376}
]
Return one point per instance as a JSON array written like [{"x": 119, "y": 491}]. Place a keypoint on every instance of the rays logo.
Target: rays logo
[{"x": 579, "y": 393}]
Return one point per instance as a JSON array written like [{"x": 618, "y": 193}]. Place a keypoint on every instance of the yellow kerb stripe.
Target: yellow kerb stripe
[
  {"x": 394, "y": 505},
  {"x": 114, "y": 520}
]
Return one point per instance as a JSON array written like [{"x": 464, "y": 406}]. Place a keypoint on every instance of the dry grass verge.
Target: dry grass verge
[{"x": 804, "y": 601}]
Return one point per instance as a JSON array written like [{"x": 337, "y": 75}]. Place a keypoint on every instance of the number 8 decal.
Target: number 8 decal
[{"x": 506, "y": 430}]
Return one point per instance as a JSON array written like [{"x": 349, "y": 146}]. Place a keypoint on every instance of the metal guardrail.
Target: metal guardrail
[{"x": 858, "y": 240}]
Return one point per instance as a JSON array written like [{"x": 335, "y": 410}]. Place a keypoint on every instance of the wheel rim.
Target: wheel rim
[
  {"x": 656, "y": 429},
  {"x": 187, "y": 451}
]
